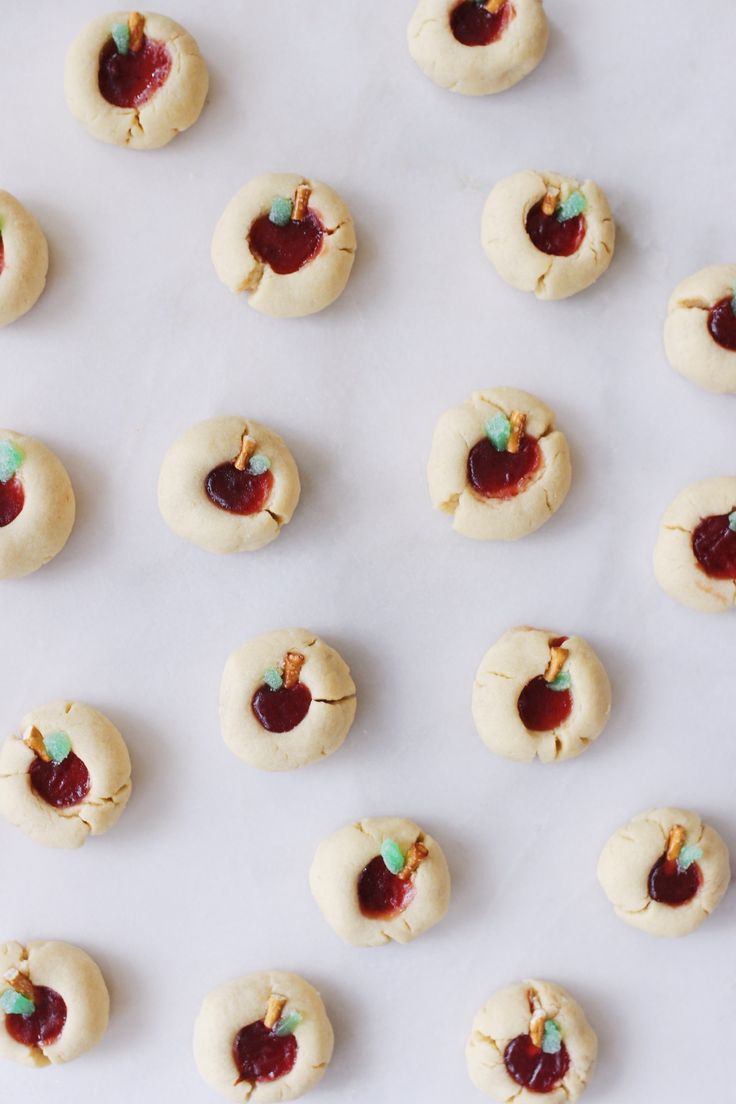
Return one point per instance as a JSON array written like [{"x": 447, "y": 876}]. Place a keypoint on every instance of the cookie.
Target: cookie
[
  {"x": 55, "y": 1002},
  {"x": 286, "y": 699},
  {"x": 135, "y": 79},
  {"x": 695, "y": 553},
  {"x": 36, "y": 505},
  {"x": 499, "y": 465},
  {"x": 700, "y": 328},
  {"x": 665, "y": 871},
  {"x": 540, "y": 694},
  {"x": 262, "y": 1038},
  {"x": 24, "y": 259},
  {"x": 66, "y": 777},
  {"x": 476, "y": 47},
  {"x": 380, "y": 879},
  {"x": 288, "y": 242},
  {"x": 228, "y": 485},
  {"x": 531, "y": 1041},
  {"x": 547, "y": 233}
]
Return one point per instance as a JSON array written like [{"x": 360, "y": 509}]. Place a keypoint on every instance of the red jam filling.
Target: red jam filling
[
  {"x": 722, "y": 324},
  {"x": 531, "y": 1067},
  {"x": 129, "y": 80},
  {"x": 714, "y": 547},
  {"x": 262, "y": 1055},
  {"x": 474, "y": 25},
  {"x": 60, "y": 784},
  {"x": 2, "y": 254},
  {"x": 542, "y": 709},
  {"x": 281, "y": 710},
  {"x": 12, "y": 497},
  {"x": 549, "y": 235},
  {"x": 42, "y": 1027},
  {"x": 671, "y": 886},
  {"x": 499, "y": 474},
  {"x": 239, "y": 492},
  {"x": 381, "y": 894},
  {"x": 288, "y": 248}
]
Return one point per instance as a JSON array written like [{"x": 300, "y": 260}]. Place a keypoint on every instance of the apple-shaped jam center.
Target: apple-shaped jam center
[
  {"x": 477, "y": 23},
  {"x": 44, "y": 1025},
  {"x": 532, "y": 1067},
  {"x": 289, "y": 236},
  {"x": 546, "y": 700},
  {"x": 60, "y": 784},
  {"x": 12, "y": 497},
  {"x": 714, "y": 545},
  {"x": 557, "y": 228},
  {"x": 130, "y": 79},
  {"x": 502, "y": 463},
  {"x": 381, "y": 894},
  {"x": 282, "y": 701},
  {"x": 676, "y": 877},
  {"x": 262, "y": 1055},
  {"x": 722, "y": 323},
  {"x": 243, "y": 485}
]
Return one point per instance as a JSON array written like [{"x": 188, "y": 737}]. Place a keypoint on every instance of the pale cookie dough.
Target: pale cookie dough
[
  {"x": 688, "y": 343},
  {"x": 279, "y": 1000},
  {"x": 40, "y": 530},
  {"x": 523, "y": 1010},
  {"x": 76, "y": 978},
  {"x": 475, "y": 515},
  {"x": 628, "y": 858},
  {"x": 515, "y": 257},
  {"x": 676, "y": 568},
  {"x": 478, "y": 70},
  {"x": 520, "y": 656},
  {"x": 260, "y": 665},
  {"x": 313, "y": 286},
  {"x": 168, "y": 110},
  {"x": 24, "y": 259},
  {"x": 343, "y": 856},
  {"x": 189, "y": 511},
  {"x": 93, "y": 739}
]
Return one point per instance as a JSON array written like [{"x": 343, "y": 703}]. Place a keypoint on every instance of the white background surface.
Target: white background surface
[{"x": 205, "y": 877}]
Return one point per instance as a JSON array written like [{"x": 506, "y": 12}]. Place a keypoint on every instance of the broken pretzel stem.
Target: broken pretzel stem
[
  {"x": 675, "y": 842},
  {"x": 20, "y": 983},
  {"x": 493, "y": 6},
  {"x": 549, "y": 203},
  {"x": 518, "y": 424},
  {"x": 301, "y": 202},
  {"x": 136, "y": 24},
  {"x": 247, "y": 448},
  {"x": 34, "y": 740},
  {"x": 293, "y": 663},
  {"x": 557, "y": 660},
  {"x": 274, "y": 1008},
  {"x": 415, "y": 856}
]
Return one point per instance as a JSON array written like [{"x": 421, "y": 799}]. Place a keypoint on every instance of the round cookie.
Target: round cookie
[
  {"x": 55, "y": 1003},
  {"x": 540, "y": 694},
  {"x": 547, "y": 233},
  {"x": 700, "y": 328},
  {"x": 262, "y": 1038},
  {"x": 499, "y": 465},
  {"x": 24, "y": 259},
  {"x": 287, "y": 241},
  {"x": 477, "y": 47},
  {"x": 665, "y": 871},
  {"x": 286, "y": 699},
  {"x": 135, "y": 79},
  {"x": 695, "y": 552},
  {"x": 228, "y": 485},
  {"x": 531, "y": 1041},
  {"x": 380, "y": 879},
  {"x": 66, "y": 777},
  {"x": 36, "y": 505}
]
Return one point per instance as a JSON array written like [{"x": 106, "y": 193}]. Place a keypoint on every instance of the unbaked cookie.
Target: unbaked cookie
[
  {"x": 135, "y": 79},
  {"x": 700, "y": 329},
  {"x": 538, "y": 693},
  {"x": 695, "y": 553},
  {"x": 55, "y": 1002},
  {"x": 665, "y": 871},
  {"x": 228, "y": 485},
  {"x": 478, "y": 46},
  {"x": 529, "y": 1040},
  {"x": 24, "y": 259},
  {"x": 498, "y": 465},
  {"x": 264, "y": 1037},
  {"x": 287, "y": 241},
  {"x": 36, "y": 505},
  {"x": 547, "y": 233},
  {"x": 286, "y": 699},
  {"x": 380, "y": 879}
]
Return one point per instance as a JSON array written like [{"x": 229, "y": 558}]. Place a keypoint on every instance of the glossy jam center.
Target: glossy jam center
[
  {"x": 671, "y": 886},
  {"x": 288, "y": 248},
  {"x": 42, "y": 1027},
  {"x": 2, "y": 253},
  {"x": 129, "y": 80},
  {"x": 262, "y": 1055},
  {"x": 12, "y": 497},
  {"x": 497, "y": 474},
  {"x": 549, "y": 235},
  {"x": 722, "y": 324},
  {"x": 714, "y": 547},
  {"x": 542, "y": 709},
  {"x": 60, "y": 784},
  {"x": 381, "y": 894},
  {"x": 281, "y": 710},
  {"x": 239, "y": 492},
  {"x": 474, "y": 25},
  {"x": 531, "y": 1067}
]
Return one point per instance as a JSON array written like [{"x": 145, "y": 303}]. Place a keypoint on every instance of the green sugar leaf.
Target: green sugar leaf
[
  {"x": 121, "y": 37},
  {"x": 552, "y": 1038},
  {"x": 281, "y": 211},
  {"x": 11, "y": 458},
  {"x": 498, "y": 431},
  {"x": 562, "y": 682},
  {"x": 571, "y": 207},
  {"x": 689, "y": 854},
  {"x": 58, "y": 746},
  {"x": 392, "y": 856},
  {"x": 732, "y": 521},
  {"x": 259, "y": 464},
  {"x": 287, "y": 1025},
  {"x": 15, "y": 1004},
  {"x": 273, "y": 678}
]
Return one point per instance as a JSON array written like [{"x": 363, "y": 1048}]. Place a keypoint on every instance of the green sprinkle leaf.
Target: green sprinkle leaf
[
  {"x": 689, "y": 854},
  {"x": 11, "y": 458},
  {"x": 287, "y": 1025},
  {"x": 15, "y": 1004},
  {"x": 392, "y": 856},
  {"x": 258, "y": 464},
  {"x": 732, "y": 521},
  {"x": 273, "y": 678},
  {"x": 552, "y": 1038},
  {"x": 498, "y": 431},
  {"x": 562, "y": 682},
  {"x": 121, "y": 37},
  {"x": 281, "y": 211},
  {"x": 571, "y": 207},
  {"x": 58, "y": 746}
]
